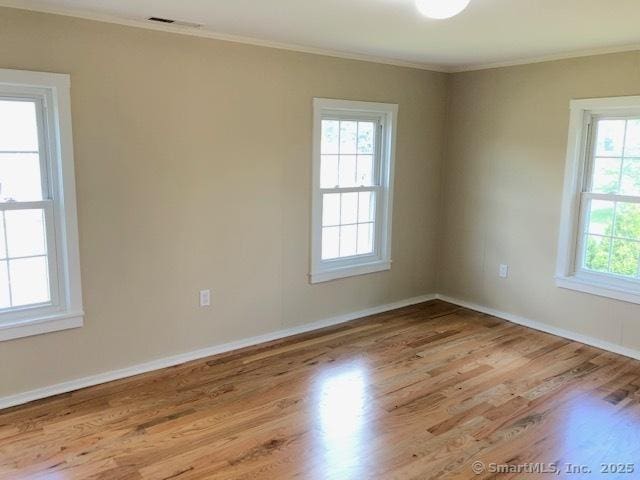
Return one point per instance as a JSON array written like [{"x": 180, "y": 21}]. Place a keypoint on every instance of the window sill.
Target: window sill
[
  {"x": 349, "y": 271},
  {"x": 602, "y": 288},
  {"x": 36, "y": 326}
]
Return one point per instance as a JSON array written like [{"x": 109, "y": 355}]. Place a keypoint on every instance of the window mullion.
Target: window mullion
[
  {"x": 37, "y": 204},
  {"x": 624, "y": 142},
  {"x": 637, "y": 275},
  {"x": 373, "y": 188},
  {"x": 611, "y": 197},
  {"x": 377, "y": 157},
  {"x": 589, "y": 155},
  {"x": 6, "y": 246},
  {"x": 613, "y": 231},
  {"x": 44, "y": 147},
  {"x": 357, "y": 219},
  {"x": 18, "y": 152}
]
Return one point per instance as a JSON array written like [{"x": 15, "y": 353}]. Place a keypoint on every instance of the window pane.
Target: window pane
[
  {"x": 630, "y": 177},
  {"x": 25, "y": 233},
  {"x": 349, "y": 208},
  {"x": 624, "y": 257},
  {"x": 366, "y": 138},
  {"x": 366, "y": 207},
  {"x": 348, "y": 132},
  {"x": 5, "y": 301},
  {"x": 365, "y": 170},
  {"x": 347, "y": 170},
  {"x": 348, "y": 236},
  {"x": 330, "y": 242},
  {"x": 365, "y": 238},
  {"x": 329, "y": 171},
  {"x": 330, "y": 209},
  {"x": 330, "y": 138},
  {"x": 600, "y": 217},
  {"x": 632, "y": 142},
  {"x": 20, "y": 177},
  {"x": 29, "y": 281},
  {"x": 606, "y": 175},
  {"x": 596, "y": 255},
  {"x": 18, "y": 126},
  {"x": 610, "y": 138},
  {"x": 628, "y": 221}
]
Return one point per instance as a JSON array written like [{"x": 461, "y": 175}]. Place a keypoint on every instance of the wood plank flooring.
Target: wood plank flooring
[{"x": 418, "y": 393}]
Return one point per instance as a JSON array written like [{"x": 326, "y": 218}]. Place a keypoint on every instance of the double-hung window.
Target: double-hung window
[
  {"x": 39, "y": 264},
  {"x": 600, "y": 233},
  {"x": 353, "y": 153}
]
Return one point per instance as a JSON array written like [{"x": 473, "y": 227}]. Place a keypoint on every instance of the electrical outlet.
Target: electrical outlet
[
  {"x": 503, "y": 272},
  {"x": 205, "y": 298}
]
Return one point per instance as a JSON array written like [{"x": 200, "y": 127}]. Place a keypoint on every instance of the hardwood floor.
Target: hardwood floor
[{"x": 418, "y": 393}]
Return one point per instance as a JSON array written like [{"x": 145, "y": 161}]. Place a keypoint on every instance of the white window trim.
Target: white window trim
[
  {"x": 68, "y": 313},
  {"x": 324, "y": 271},
  {"x": 568, "y": 275}
]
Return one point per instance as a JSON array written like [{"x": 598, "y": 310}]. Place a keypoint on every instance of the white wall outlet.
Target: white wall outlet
[
  {"x": 503, "y": 272},
  {"x": 205, "y": 298}
]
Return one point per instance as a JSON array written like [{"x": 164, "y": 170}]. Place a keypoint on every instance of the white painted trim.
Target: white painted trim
[
  {"x": 72, "y": 385},
  {"x": 21, "y": 398},
  {"x": 577, "y": 140},
  {"x": 351, "y": 271},
  {"x": 543, "y": 327},
  {"x": 385, "y": 116},
  {"x": 39, "y": 326},
  {"x": 604, "y": 105},
  {"x": 36, "y": 326},
  {"x": 580, "y": 144},
  {"x": 545, "y": 58},
  {"x": 65, "y": 311},
  {"x": 598, "y": 287},
  {"x": 36, "y": 6},
  {"x": 34, "y": 79}
]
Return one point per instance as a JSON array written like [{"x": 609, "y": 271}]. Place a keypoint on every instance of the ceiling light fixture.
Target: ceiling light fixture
[{"x": 440, "y": 9}]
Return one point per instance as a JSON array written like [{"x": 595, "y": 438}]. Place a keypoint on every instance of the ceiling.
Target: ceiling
[{"x": 488, "y": 33}]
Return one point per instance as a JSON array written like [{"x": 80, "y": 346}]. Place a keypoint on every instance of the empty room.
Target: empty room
[{"x": 330, "y": 240}]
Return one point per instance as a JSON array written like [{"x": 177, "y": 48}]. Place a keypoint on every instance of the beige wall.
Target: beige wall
[
  {"x": 193, "y": 171},
  {"x": 504, "y": 167}
]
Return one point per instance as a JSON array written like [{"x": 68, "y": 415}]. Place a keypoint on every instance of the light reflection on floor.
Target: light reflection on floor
[
  {"x": 596, "y": 432},
  {"x": 342, "y": 422}
]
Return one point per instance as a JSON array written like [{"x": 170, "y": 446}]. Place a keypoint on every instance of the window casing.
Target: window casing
[
  {"x": 599, "y": 247},
  {"x": 39, "y": 260},
  {"x": 353, "y": 153}
]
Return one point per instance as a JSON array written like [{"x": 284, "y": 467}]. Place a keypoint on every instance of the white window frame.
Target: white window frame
[
  {"x": 51, "y": 92},
  {"x": 569, "y": 273},
  {"x": 385, "y": 115}
]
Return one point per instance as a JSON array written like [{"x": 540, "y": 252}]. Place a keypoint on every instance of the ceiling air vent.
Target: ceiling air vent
[{"x": 169, "y": 21}]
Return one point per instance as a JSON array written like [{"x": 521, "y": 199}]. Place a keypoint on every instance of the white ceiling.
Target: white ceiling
[{"x": 489, "y": 32}]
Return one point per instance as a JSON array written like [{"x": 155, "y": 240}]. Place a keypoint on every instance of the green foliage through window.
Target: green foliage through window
[{"x": 618, "y": 255}]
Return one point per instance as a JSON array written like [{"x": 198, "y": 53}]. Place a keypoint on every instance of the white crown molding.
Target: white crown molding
[
  {"x": 34, "y": 5},
  {"x": 37, "y": 6},
  {"x": 72, "y": 385},
  {"x": 546, "y": 58}
]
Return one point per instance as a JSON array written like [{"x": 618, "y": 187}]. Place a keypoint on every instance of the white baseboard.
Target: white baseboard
[
  {"x": 543, "y": 327},
  {"x": 160, "y": 363}
]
